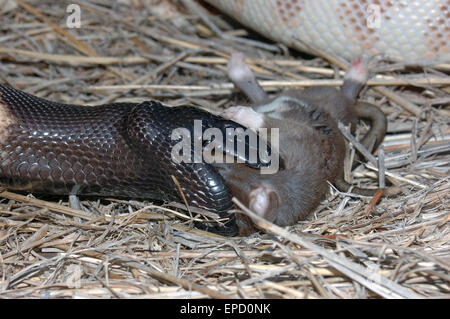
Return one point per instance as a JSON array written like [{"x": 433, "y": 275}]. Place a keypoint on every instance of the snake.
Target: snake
[
  {"x": 410, "y": 31},
  {"x": 123, "y": 149},
  {"x": 115, "y": 149}
]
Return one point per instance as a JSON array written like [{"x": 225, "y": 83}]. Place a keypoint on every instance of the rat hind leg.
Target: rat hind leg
[
  {"x": 378, "y": 124},
  {"x": 355, "y": 78},
  {"x": 241, "y": 75}
]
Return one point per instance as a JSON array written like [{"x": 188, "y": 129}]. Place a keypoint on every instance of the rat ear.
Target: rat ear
[{"x": 264, "y": 201}]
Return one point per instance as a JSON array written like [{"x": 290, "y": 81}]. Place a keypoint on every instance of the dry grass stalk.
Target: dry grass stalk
[{"x": 351, "y": 247}]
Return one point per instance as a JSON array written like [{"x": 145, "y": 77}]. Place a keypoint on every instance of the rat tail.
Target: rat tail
[{"x": 378, "y": 124}]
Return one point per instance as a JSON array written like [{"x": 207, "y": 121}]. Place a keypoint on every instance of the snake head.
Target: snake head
[
  {"x": 243, "y": 145},
  {"x": 223, "y": 137}
]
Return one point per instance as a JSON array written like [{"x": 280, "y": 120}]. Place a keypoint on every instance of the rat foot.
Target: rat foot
[{"x": 245, "y": 116}]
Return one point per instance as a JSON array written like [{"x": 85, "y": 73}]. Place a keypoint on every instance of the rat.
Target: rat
[{"x": 310, "y": 143}]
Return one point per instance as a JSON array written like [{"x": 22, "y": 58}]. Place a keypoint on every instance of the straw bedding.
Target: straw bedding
[{"x": 135, "y": 50}]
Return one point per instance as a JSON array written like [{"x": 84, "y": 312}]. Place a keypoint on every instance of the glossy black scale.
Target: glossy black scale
[{"x": 117, "y": 149}]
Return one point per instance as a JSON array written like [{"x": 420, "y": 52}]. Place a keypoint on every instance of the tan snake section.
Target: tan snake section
[{"x": 413, "y": 31}]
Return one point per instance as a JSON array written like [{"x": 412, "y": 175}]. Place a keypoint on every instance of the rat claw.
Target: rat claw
[{"x": 245, "y": 116}]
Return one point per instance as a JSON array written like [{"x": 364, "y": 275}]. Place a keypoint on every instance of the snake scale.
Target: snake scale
[{"x": 412, "y": 31}]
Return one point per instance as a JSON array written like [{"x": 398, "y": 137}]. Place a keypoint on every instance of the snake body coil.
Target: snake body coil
[{"x": 118, "y": 149}]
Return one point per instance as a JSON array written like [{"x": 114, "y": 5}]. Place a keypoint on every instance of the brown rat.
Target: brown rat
[
  {"x": 311, "y": 144},
  {"x": 292, "y": 193}
]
